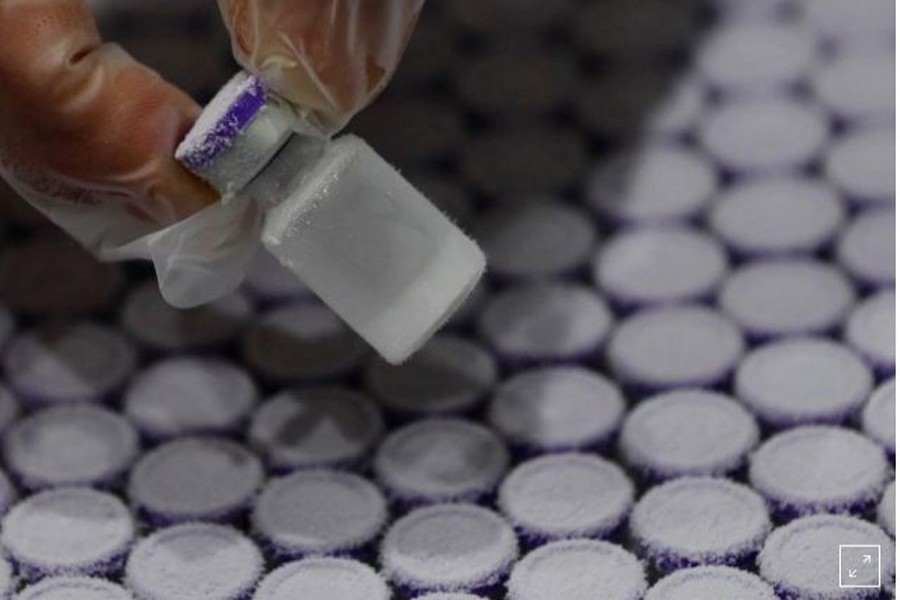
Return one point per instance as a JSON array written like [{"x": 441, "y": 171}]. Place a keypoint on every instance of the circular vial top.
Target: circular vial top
[
  {"x": 870, "y": 329},
  {"x": 857, "y": 86},
  {"x": 195, "y": 478},
  {"x": 74, "y": 588},
  {"x": 67, "y": 531},
  {"x": 576, "y": 570},
  {"x": 319, "y": 512},
  {"x": 566, "y": 496},
  {"x": 557, "y": 408},
  {"x": 803, "y": 559},
  {"x": 711, "y": 583},
  {"x": 323, "y": 579},
  {"x": 441, "y": 460},
  {"x": 866, "y": 247},
  {"x": 688, "y": 432},
  {"x": 448, "y": 547},
  {"x": 861, "y": 163},
  {"x": 194, "y": 561}
]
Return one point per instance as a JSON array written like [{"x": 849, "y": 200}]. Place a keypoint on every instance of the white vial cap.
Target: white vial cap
[
  {"x": 857, "y": 87},
  {"x": 861, "y": 164},
  {"x": 74, "y": 588},
  {"x": 866, "y": 247},
  {"x": 323, "y": 579},
  {"x": 711, "y": 583}
]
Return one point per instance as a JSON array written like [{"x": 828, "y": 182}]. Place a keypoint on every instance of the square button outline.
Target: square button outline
[{"x": 841, "y": 568}]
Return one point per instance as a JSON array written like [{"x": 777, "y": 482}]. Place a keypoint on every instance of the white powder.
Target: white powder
[
  {"x": 193, "y": 562},
  {"x": 802, "y": 558},
  {"x": 80, "y": 362},
  {"x": 67, "y": 531},
  {"x": 441, "y": 459},
  {"x": 305, "y": 340},
  {"x": 887, "y": 509},
  {"x": 153, "y": 322},
  {"x": 566, "y": 495},
  {"x": 711, "y": 583},
  {"x": 70, "y": 445},
  {"x": 861, "y": 164},
  {"x": 787, "y": 296},
  {"x": 803, "y": 381},
  {"x": 316, "y": 427},
  {"x": 535, "y": 240},
  {"x": 185, "y": 395},
  {"x": 870, "y": 328},
  {"x": 878, "y": 420},
  {"x": 320, "y": 512},
  {"x": 195, "y": 478},
  {"x": 448, "y": 547},
  {"x": 817, "y": 468},
  {"x": 664, "y": 264},
  {"x": 680, "y": 345},
  {"x": 449, "y": 374},
  {"x": 557, "y": 407},
  {"x": 866, "y": 247},
  {"x": 688, "y": 432},
  {"x": 578, "y": 570},
  {"x": 700, "y": 519},
  {"x": 660, "y": 182},
  {"x": 74, "y": 588},
  {"x": 323, "y": 579}
]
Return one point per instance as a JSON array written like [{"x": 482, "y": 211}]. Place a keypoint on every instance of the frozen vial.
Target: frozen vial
[
  {"x": 676, "y": 346},
  {"x": 578, "y": 570},
  {"x": 802, "y": 559},
  {"x": 878, "y": 416},
  {"x": 777, "y": 215},
  {"x": 303, "y": 341},
  {"x": 74, "y": 588},
  {"x": 10, "y": 410},
  {"x": 656, "y": 183},
  {"x": 323, "y": 579},
  {"x": 866, "y": 248},
  {"x": 677, "y": 112},
  {"x": 861, "y": 164},
  {"x": 270, "y": 282},
  {"x": 315, "y": 428},
  {"x": 756, "y": 58},
  {"x": 496, "y": 86},
  {"x": 695, "y": 521},
  {"x": 448, "y": 548},
  {"x": 70, "y": 445},
  {"x": 194, "y": 561},
  {"x": 557, "y": 409},
  {"x": 449, "y": 375},
  {"x": 887, "y": 508},
  {"x": 440, "y": 460},
  {"x": 68, "y": 531},
  {"x": 382, "y": 257},
  {"x": 869, "y": 330},
  {"x": 313, "y": 513},
  {"x": 545, "y": 323},
  {"x": 711, "y": 583},
  {"x": 195, "y": 479},
  {"x": 541, "y": 239},
  {"x": 815, "y": 469},
  {"x": 765, "y": 135},
  {"x": 803, "y": 381},
  {"x": 163, "y": 328},
  {"x": 778, "y": 297},
  {"x": 659, "y": 265},
  {"x": 517, "y": 162},
  {"x": 563, "y": 496},
  {"x": 687, "y": 432},
  {"x": 58, "y": 364},
  {"x": 52, "y": 276},
  {"x": 857, "y": 87},
  {"x": 189, "y": 395}
]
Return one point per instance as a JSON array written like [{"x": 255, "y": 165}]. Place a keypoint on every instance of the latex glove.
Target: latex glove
[
  {"x": 87, "y": 134},
  {"x": 329, "y": 58}
]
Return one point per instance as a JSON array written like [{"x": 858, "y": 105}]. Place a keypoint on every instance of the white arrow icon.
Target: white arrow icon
[
  {"x": 867, "y": 558},
  {"x": 851, "y": 573}
]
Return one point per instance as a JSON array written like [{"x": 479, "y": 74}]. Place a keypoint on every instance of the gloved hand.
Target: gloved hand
[
  {"x": 329, "y": 58},
  {"x": 87, "y": 134}
]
